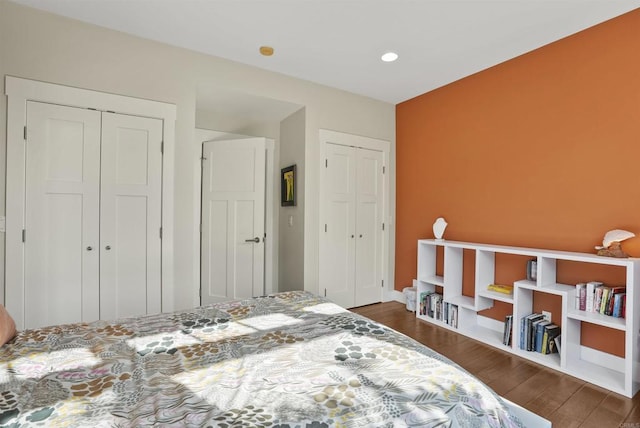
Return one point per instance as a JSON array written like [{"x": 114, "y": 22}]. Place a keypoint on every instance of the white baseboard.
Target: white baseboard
[{"x": 394, "y": 295}]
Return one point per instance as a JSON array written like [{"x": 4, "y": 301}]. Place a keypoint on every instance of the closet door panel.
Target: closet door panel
[
  {"x": 337, "y": 252},
  {"x": 369, "y": 211},
  {"x": 130, "y": 216},
  {"x": 62, "y": 210}
]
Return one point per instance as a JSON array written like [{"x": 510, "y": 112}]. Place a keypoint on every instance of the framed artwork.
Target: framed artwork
[{"x": 288, "y": 186}]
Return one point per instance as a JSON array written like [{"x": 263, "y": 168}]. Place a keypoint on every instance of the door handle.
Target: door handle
[
  {"x": 256, "y": 240},
  {"x": 89, "y": 248}
]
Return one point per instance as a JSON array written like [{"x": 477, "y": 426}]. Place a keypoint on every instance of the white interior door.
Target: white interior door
[
  {"x": 130, "y": 216},
  {"x": 233, "y": 199},
  {"x": 62, "y": 215},
  {"x": 369, "y": 232},
  {"x": 337, "y": 245}
]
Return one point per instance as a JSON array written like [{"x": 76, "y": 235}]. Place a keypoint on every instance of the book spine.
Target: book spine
[
  {"x": 612, "y": 301},
  {"x": 617, "y": 305},
  {"x": 605, "y": 299},
  {"x": 589, "y": 298},
  {"x": 539, "y": 335},
  {"x": 597, "y": 300},
  {"x": 583, "y": 296},
  {"x": 531, "y": 334}
]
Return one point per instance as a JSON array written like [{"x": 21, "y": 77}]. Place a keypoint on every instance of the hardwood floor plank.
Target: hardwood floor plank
[
  {"x": 504, "y": 384},
  {"x": 535, "y": 386},
  {"x": 580, "y": 405},
  {"x": 634, "y": 416},
  {"x": 563, "y": 388}
]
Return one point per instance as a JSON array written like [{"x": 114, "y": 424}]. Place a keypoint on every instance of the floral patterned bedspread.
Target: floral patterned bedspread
[{"x": 287, "y": 360}]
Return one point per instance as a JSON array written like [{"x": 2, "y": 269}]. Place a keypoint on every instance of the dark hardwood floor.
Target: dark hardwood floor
[{"x": 564, "y": 400}]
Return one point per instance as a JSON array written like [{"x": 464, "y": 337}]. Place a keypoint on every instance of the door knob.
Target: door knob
[
  {"x": 108, "y": 247},
  {"x": 256, "y": 240},
  {"x": 89, "y": 248}
]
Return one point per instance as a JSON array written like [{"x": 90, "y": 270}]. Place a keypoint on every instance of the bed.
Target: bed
[{"x": 286, "y": 360}]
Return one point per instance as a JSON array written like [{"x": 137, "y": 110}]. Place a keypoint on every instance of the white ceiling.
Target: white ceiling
[{"x": 339, "y": 42}]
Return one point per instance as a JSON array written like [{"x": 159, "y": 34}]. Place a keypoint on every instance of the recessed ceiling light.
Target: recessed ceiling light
[
  {"x": 266, "y": 50},
  {"x": 389, "y": 57}
]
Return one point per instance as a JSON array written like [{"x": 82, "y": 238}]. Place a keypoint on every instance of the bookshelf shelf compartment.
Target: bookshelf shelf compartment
[
  {"x": 463, "y": 301},
  {"x": 598, "y": 375},
  {"x": 433, "y": 279},
  {"x": 599, "y": 319},
  {"x": 618, "y": 374},
  {"x": 494, "y": 295}
]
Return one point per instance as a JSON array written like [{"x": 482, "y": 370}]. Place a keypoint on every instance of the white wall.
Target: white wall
[
  {"x": 41, "y": 46},
  {"x": 291, "y": 222}
]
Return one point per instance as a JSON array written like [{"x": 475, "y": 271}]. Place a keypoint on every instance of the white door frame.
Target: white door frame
[
  {"x": 340, "y": 138},
  {"x": 271, "y": 224},
  {"x": 18, "y": 92}
]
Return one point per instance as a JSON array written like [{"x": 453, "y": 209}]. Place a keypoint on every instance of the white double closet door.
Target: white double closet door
[
  {"x": 93, "y": 215},
  {"x": 351, "y": 242}
]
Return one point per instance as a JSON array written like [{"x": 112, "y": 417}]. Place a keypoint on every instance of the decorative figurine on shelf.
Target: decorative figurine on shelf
[
  {"x": 438, "y": 228},
  {"x": 611, "y": 246}
]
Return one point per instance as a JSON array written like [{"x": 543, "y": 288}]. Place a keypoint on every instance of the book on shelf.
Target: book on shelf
[
  {"x": 617, "y": 304},
  {"x": 508, "y": 328},
  {"x": 597, "y": 299},
  {"x": 499, "y": 288},
  {"x": 532, "y": 270},
  {"x": 557, "y": 341},
  {"x": 581, "y": 296},
  {"x": 525, "y": 330},
  {"x": 539, "y": 334},
  {"x": 591, "y": 287},
  {"x": 434, "y": 306},
  {"x": 424, "y": 297},
  {"x": 531, "y": 331},
  {"x": 453, "y": 316},
  {"x": 615, "y": 291},
  {"x": 605, "y": 299},
  {"x": 551, "y": 331}
]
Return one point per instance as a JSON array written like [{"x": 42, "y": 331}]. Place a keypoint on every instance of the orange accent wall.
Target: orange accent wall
[{"x": 540, "y": 151}]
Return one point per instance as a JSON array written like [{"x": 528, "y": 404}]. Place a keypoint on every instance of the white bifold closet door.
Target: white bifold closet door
[
  {"x": 93, "y": 209},
  {"x": 351, "y": 243},
  {"x": 130, "y": 216}
]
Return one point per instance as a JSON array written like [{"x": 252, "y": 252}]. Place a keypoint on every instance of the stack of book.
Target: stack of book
[
  {"x": 499, "y": 288},
  {"x": 595, "y": 297},
  {"x": 433, "y": 305},
  {"x": 538, "y": 334}
]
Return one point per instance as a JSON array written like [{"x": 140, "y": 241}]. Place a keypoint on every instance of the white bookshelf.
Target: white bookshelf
[{"x": 620, "y": 375}]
